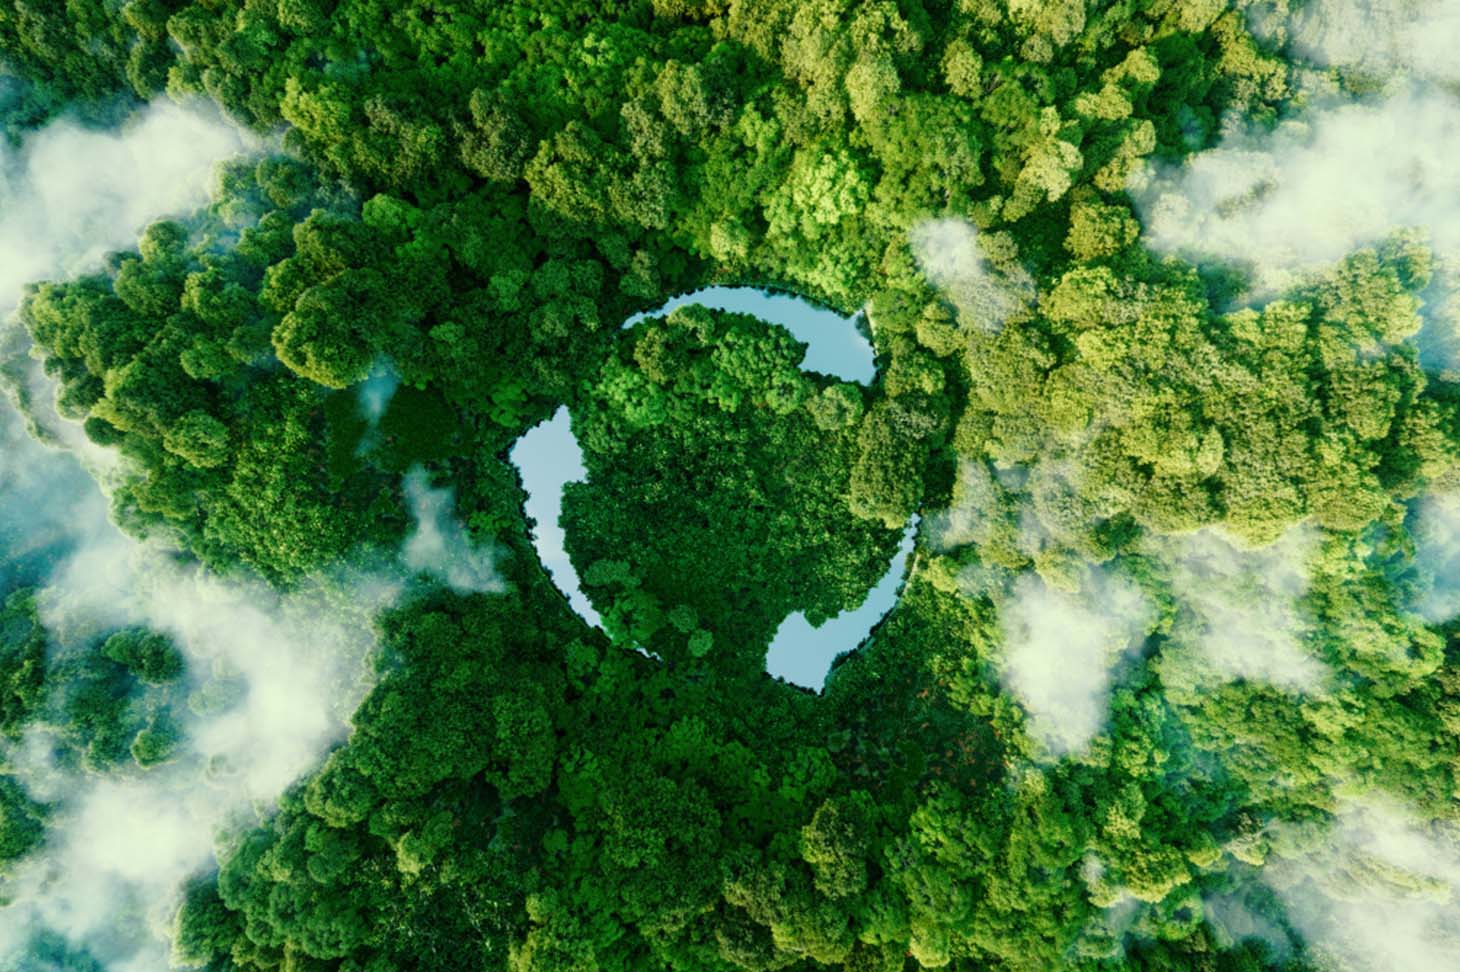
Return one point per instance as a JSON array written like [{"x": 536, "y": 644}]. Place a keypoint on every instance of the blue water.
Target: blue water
[
  {"x": 803, "y": 655},
  {"x": 834, "y": 345},
  {"x": 549, "y": 458}
]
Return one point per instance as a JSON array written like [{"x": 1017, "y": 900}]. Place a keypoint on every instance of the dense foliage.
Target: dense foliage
[
  {"x": 473, "y": 198},
  {"x": 704, "y": 426}
]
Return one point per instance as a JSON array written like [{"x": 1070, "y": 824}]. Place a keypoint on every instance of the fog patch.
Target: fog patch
[
  {"x": 440, "y": 546},
  {"x": 118, "y": 846},
  {"x": 69, "y": 195},
  {"x": 1271, "y": 203},
  {"x": 1347, "y": 172},
  {"x": 46, "y": 507},
  {"x": 295, "y": 665},
  {"x": 1233, "y": 921},
  {"x": 1066, "y": 626},
  {"x": 1380, "y": 37},
  {"x": 954, "y": 257},
  {"x": 1060, "y": 649},
  {"x": 1435, "y": 526},
  {"x": 1239, "y": 614},
  {"x": 976, "y": 497},
  {"x": 376, "y": 391},
  {"x": 1377, "y": 889}
]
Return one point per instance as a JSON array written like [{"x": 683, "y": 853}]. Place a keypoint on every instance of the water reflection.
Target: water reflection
[{"x": 548, "y": 457}]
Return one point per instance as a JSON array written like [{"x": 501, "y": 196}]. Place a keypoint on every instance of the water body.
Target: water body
[
  {"x": 834, "y": 344},
  {"x": 548, "y": 457},
  {"x": 802, "y": 655}
]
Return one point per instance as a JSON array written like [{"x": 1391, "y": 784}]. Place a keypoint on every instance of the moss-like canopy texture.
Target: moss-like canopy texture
[{"x": 1107, "y": 453}]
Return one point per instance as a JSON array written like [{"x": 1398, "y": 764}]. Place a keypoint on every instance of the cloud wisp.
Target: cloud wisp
[
  {"x": 293, "y": 668},
  {"x": 1060, "y": 650},
  {"x": 1287, "y": 204},
  {"x": 439, "y": 544},
  {"x": 1380, "y": 38},
  {"x": 295, "y": 665},
  {"x": 1435, "y": 526},
  {"x": 955, "y": 259},
  {"x": 73, "y": 194},
  {"x": 1239, "y": 612},
  {"x": 70, "y": 194},
  {"x": 1377, "y": 889},
  {"x": 1346, "y": 172}
]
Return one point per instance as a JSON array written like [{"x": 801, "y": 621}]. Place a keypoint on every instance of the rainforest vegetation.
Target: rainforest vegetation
[{"x": 475, "y": 196}]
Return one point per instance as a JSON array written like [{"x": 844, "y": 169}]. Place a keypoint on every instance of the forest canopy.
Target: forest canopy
[{"x": 1168, "y": 683}]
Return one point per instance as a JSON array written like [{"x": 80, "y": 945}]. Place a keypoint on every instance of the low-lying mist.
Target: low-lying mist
[{"x": 272, "y": 677}]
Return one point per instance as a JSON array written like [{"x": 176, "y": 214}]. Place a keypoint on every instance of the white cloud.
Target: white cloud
[
  {"x": 301, "y": 661},
  {"x": 45, "y": 505},
  {"x": 1343, "y": 173},
  {"x": 376, "y": 391},
  {"x": 71, "y": 194},
  {"x": 119, "y": 845},
  {"x": 976, "y": 497},
  {"x": 1232, "y": 921},
  {"x": 952, "y": 256},
  {"x": 1288, "y": 203},
  {"x": 1435, "y": 525},
  {"x": 440, "y": 546},
  {"x": 1059, "y": 651},
  {"x": 1240, "y": 615},
  {"x": 1380, "y": 37},
  {"x": 1377, "y": 890}
]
